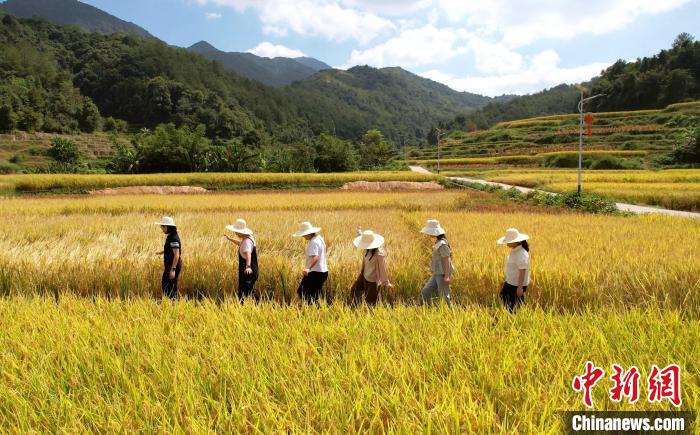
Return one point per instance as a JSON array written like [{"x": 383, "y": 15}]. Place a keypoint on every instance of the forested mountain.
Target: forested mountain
[
  {"x": 649, "y": 83},
  {"x": 390, "y": 99},
  {"x": 312, "y": 63},
  {"x": 55, "y": 78},
  {"x": 52, "y": 78},
  {"x": 72, "y": 12},
  {"x": 277, "y": 72},
  {"x": 559, "y": 99}
]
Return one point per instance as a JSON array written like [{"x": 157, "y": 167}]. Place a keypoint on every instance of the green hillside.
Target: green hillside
[
  {"x": 536, "y": 141},
  {"x": 391, "y": 99},
  {"x": 63, "y": 80},
  {"x": 29, "y": 151}
]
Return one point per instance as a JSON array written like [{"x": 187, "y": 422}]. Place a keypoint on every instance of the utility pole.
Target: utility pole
[
  {"x": 580, "y": 134},
  {"x": 405, "y": 150},
  {"x": 439, "y": 134}
]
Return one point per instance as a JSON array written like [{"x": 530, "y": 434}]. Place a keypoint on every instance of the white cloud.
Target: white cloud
[
  {"x": 540, "y": 72},
  {"x": 414, "y": 47},
  {"x": 213, "y": 16},
  {"x": 493, "y": 57},
  {"x": 329, "y": 19},
  {"x": 430, "y": 45},
  {"x": 516, "y": 23},
  {"x": 428, "y": 33},
  {"x": 526, "y": 21},
  {"x": 268, "y": 49}
]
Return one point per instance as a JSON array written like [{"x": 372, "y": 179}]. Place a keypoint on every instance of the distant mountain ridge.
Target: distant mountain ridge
[
  {"x": 72, "y": 12},
  {"x": 277, "y": 72},
  {"x": 147, "y": 82},
  {"x": 396, "y": 101}
]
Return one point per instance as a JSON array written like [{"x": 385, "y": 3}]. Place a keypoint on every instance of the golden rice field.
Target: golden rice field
[
  {"x": 105, "y": 246},
  {"x": 80, "y": 183},
  {"x": 88, "y": 347},
  {"x": 677, "y": 189},
  {"x": 140, "y": 366}
]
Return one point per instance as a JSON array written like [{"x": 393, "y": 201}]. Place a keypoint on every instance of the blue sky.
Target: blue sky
[{"x": 489, "y": 48}]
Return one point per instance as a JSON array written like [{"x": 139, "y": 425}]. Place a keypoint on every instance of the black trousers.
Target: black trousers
[
  {"x": 311, "y": 286},
  {"x": 246, "y": 286},
  {"x": 510, "y": 298},
  {"x": 169, "y": 286},
  {"x": 364, "y": 291}
]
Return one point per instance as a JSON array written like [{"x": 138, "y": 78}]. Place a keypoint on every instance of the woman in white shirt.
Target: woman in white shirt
[
  {"x": 316, "y": 268},
  {"x": 373, "y": 271},
  {"x": 247, "y": 259},
  {"x": 517, "y": 269}
]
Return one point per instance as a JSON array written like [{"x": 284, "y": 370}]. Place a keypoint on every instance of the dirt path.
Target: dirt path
[
  {"x": 638, "y": 209},
  {"x": 420, "y": 170}
]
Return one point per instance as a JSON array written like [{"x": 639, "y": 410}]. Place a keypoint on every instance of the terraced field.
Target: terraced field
[
  {"x": 648, "y": 131},
  {"x": 28, "y": 150}
]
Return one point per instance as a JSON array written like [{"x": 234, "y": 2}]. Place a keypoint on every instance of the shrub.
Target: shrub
[
  {"x": 114, "y": 125},
  {"x": 688, "y": 149},
  {"x": 610, "y": 162},
  {"x": 64, "y": 151},
  {"x": 588, "y": 202},
  {"x": 561, "y": 161},
  {"x": 511, "y": 194},
  {"x": 501, "y": 136},
  {"x": 9, "y": 168},
  {"x": 681, "y": 120}
]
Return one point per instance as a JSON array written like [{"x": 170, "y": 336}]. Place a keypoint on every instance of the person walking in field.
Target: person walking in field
[
  {"x": 373, "y": 270},
  {"x": 172, "y": 257},
  {"x": 315, "y": 271},
  {"x": 247, "y": 259},
  {"x": 441, "y": 266},
  {"x": 517, "y": 269}
]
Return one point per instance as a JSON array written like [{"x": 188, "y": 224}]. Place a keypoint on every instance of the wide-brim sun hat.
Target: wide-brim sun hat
[
  {"x": 512, "y": 236},
  {"x": 305, "y": 228},
  {"x": 240, "y": 227},
  {"x": 432, "y": 228},
  {"x": 368, "y": 240},
  {"x": 166, "y": 221}
]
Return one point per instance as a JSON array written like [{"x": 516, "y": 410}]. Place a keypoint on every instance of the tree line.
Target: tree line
[{"x": 169, "y": 148}]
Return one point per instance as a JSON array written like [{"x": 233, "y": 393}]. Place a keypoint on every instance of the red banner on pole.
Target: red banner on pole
[{"x": 588, "y": 119}]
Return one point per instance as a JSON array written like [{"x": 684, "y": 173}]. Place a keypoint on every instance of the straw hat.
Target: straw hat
[
  {"x": 432, "y": 228},
  {"x": 512, "y": 236},
  {"x": 368, "y": 240},
  {"x": 240, "y": 227},
  {"x": 166, "y": 221},
  {"x": 305, "y": 228}
]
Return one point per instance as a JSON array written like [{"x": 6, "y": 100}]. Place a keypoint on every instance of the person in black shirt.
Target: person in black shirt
[{"x": 172, "y": 261}]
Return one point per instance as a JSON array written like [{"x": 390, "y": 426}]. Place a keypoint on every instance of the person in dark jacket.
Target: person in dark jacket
[
  {"x": 172, "y": 257},
  {"x": 247, "y": 259}
]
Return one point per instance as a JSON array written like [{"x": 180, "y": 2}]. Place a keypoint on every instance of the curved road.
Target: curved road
[{"x": 638, "y": 209}]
